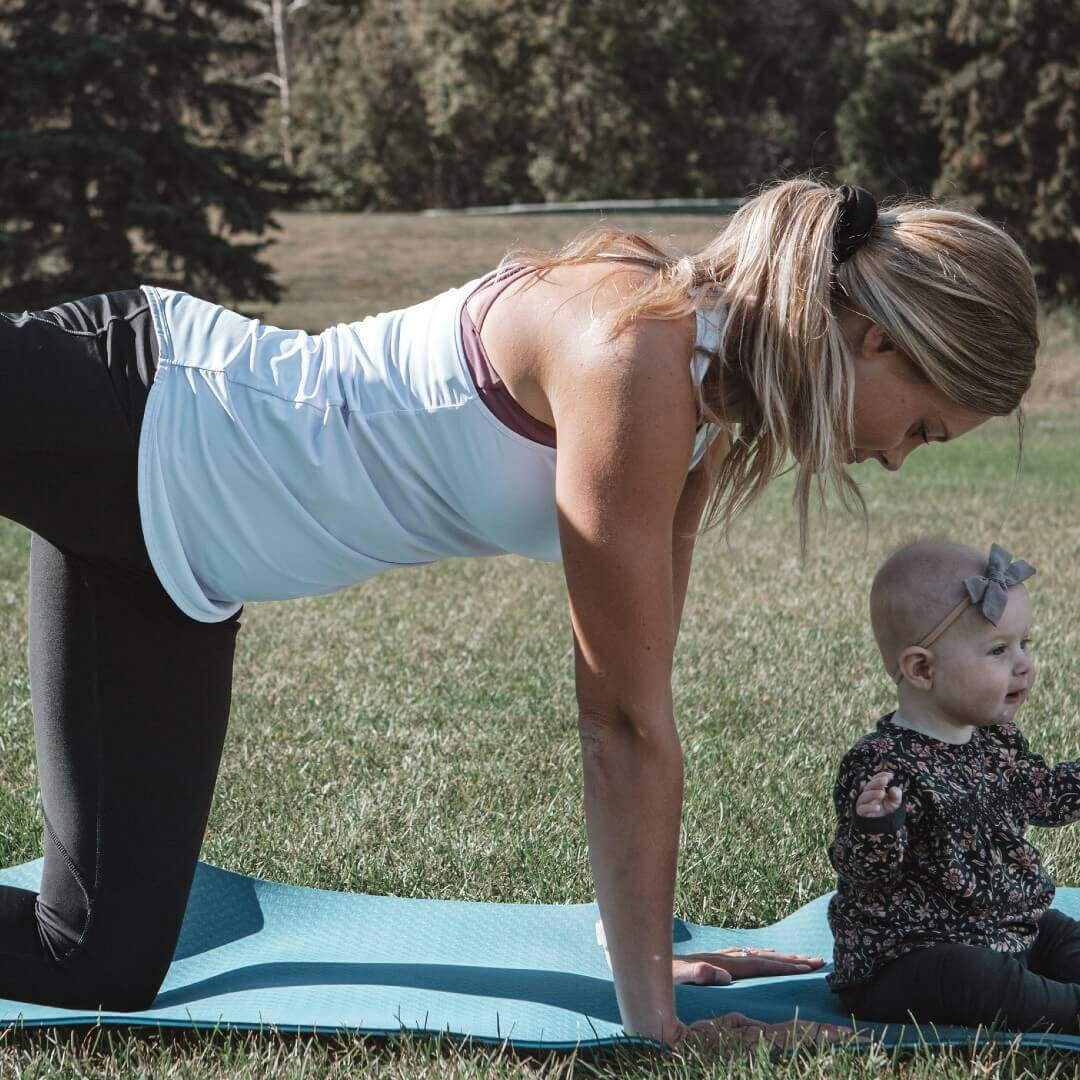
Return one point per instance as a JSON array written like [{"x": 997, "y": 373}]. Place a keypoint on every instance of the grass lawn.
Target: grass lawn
[{"x": 416, "y": 735}]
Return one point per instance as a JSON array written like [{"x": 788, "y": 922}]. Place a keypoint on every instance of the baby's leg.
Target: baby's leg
[
  {"x": 1056, "y": 952},
  {"x": 968, "y": 986}
]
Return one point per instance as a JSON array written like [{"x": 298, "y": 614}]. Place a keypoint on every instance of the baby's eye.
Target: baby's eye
[
  {"x": 1025, "y": 644},
  {"x": 998, "y": 650}
]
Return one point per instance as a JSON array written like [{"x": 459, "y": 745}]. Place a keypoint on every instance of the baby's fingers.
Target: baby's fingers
[
  {"x": 878, "y": 782},
  {"x": 877, "y": 798},
  {"x": 870, "y": 804}
]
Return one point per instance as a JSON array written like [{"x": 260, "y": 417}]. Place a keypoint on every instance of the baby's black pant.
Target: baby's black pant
[
  {"x": 130, "y": 696},
  {"x": 962, "y": 984}
]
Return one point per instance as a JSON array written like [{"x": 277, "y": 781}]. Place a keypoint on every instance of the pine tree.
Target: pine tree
[
  {"x": 120, "y": 131},
  {"x": 888, "y": 136},
  {"x": 1009, "y": 116}
]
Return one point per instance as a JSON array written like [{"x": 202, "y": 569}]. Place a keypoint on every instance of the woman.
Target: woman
[{"x": 272, "y": 464}]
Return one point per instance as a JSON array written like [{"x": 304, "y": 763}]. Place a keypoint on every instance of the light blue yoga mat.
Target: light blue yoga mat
[{"x": 255, "y": 954}]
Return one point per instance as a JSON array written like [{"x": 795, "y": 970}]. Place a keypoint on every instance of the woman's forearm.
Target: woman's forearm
[{"x": 633, "y": 805}]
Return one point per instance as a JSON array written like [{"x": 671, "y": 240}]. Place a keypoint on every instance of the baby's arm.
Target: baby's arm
[
  {"x": 1052, "y": 794},
  {"x": 871, "y": 835}
]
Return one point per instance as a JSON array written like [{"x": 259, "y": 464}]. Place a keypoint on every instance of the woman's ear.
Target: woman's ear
[
  {"x": 917, "y": 667},
  {"x": 875, "y": 342}
]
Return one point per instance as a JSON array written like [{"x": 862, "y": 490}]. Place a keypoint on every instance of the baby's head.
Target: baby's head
[{"x": 953, "y": 629}]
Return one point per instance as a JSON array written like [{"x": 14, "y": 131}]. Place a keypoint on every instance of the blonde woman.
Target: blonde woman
[{"x": 176, "y": 460}]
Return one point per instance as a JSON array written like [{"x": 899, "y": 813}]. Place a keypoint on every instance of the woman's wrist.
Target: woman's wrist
[
  {"x": 646, "y": 1004},
  {"x": 668, "y": 1030},
  {"x": 633, "y": 800}
]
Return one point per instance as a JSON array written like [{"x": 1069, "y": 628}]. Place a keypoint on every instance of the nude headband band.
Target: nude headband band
[{"x": 990, "y": 591}]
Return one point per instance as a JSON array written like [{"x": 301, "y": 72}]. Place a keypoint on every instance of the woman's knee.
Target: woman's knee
[
  {"x": 111, "y": 982},
  {"x": 113, "y": 958}
]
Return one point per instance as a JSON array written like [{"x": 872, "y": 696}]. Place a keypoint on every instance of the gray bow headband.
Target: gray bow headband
[
  {"x": 989, "y": 592},
  {"x": 992, "y": 590}
]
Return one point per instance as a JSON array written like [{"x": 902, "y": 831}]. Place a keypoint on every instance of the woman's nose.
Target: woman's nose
[{"x": 893, "y": 459}]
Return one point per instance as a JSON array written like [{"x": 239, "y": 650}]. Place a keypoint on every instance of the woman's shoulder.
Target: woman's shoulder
[
  {"x": 583, "y": 338},
  {"x": 579, "y": 303},
  {"x": 555, "y": 329}
]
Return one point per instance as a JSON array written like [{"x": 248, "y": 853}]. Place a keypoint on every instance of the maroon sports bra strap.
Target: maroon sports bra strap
[{"x": 509, "y": 277}]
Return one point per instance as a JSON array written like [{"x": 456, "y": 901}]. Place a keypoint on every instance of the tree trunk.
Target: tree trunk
[{"x": 278, "y": 18}]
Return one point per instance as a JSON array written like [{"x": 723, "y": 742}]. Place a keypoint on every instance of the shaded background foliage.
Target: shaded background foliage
[
  {"x": 144, "y": 138},
  {"x": 121, "y": 155}
]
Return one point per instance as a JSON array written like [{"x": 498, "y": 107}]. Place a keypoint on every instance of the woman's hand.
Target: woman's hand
[
  {"x": 877, "y": 798},
  {"x": 725, "y": 965},
  {"x": 725, "y": 1034}
]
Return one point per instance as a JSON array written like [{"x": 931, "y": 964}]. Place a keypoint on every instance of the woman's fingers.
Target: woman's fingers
[
  {"x": 797, "y": 1033},
  {"x": 771, "y": 954},
  {"x": 754, "y": 967},
  {"x": 734, "y": 1031},
  {"x": 725, "y": 1033},
  {"x": 721, "y": 967},
  {"x": 743, "y": 951},
  {"x": 698, "y": 972}
]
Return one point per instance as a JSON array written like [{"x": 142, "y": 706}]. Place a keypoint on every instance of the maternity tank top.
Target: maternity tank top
[{"x": 277, "y": 463}]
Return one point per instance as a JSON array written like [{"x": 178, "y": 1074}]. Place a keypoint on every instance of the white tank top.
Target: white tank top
[{"x": 276, "y": 463}]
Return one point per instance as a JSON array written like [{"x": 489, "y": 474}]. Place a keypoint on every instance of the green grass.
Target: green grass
[{"x": 416, "y": 735}]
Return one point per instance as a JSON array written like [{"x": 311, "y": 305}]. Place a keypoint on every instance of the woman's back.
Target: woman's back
[{"x": 283, "y": 464}]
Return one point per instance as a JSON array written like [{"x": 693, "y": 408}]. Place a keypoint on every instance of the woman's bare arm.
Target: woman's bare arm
[
  {"x": 625, "y": 418},
  {"x": 695, "y": 495}
]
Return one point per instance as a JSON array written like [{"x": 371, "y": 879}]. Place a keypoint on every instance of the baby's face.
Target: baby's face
[{"x": 982, "y": 672}]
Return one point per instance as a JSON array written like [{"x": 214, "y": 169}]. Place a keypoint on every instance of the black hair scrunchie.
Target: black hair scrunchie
[{"x": 858, "y": 212}]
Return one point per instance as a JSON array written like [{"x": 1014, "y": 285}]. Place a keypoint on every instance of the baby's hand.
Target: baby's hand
[{"x": 878, "y": 799}]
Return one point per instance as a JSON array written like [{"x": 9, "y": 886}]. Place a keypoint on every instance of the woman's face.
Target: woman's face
[{"x": 895, "y": 410}]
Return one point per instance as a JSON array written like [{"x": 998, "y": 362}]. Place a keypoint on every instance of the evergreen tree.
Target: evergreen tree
[
  {"x": 120, "y": 158},
  {"x": 1009, "y": 117},
  {"x": 888, "y": 137}
]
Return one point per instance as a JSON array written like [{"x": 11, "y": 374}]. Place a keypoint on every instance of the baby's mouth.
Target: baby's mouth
[{"x": 1015, "y": 697}]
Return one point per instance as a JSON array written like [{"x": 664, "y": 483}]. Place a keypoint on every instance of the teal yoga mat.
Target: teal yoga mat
[{"x": 255, "y": 954}]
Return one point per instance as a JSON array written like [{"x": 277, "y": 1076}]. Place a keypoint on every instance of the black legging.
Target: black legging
[
  {"x": 130, "y": 696},
  {"x": 962, "y": 984}
]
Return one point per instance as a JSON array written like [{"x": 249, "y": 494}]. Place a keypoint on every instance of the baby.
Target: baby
[{"x": 941, "y": 909}]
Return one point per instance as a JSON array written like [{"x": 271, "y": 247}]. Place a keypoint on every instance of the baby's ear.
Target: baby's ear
[{"x": 917, "y": 667}]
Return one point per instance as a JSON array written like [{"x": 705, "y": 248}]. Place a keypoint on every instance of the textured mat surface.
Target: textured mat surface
[{"x": 256, "y": 954}]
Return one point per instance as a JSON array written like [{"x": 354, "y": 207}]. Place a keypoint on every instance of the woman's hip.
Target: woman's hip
[{"x": 74, "y": 380}]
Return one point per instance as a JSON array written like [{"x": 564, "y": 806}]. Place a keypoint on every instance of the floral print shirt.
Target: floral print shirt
[{"x": 950, "y": 864}]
